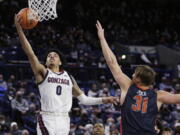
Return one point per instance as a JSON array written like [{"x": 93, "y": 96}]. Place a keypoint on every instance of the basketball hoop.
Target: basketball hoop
[{"x": 46, "y": 9}]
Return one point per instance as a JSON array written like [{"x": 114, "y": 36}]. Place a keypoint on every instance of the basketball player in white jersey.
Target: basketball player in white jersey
[{"x": 56, "y": 89}]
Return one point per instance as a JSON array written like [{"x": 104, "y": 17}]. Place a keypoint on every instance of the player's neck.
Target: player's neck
[
  {"x": 142, "y": 87},
  {"x": 55, "y": 69}
]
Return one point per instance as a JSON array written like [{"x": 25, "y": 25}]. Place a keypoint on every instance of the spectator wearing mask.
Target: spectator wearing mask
[{"x": 19, "y": 107}]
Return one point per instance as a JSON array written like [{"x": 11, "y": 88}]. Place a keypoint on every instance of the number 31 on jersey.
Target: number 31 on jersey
[{"x": 141, "y": 104}]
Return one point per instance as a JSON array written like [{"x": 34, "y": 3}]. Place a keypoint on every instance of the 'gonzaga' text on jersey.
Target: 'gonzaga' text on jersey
[{"x": 56, "y": 92}]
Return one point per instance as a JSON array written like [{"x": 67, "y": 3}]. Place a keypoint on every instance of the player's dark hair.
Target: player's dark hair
[
  {"x": 61, "y": 56},
  {"x": 146, "y": 74}
]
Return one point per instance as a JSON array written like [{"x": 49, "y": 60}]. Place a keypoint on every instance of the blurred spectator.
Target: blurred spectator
[
  {"x": 178, "y": 68},
  {"x": 166, "y": 84},
  {"x": 176, "y": 113},
  {"x": 14, "y": 129},
  {"x": 33, "y": 99},
  {"x": 19, "y": 107},
  {"x": 25, "y": 132},
  {"x": 3, "y": 124},
  {"x": 109, "y": 123},
  {"x": 73, "y": 128},
  {"x": 98, "y": 129},
  {"x": 3, "y": 84},
  {"x": 93, "y": 92},
  {"x": 11, "y": 81},
  {"x": 114, "y": 130},
  {"x": 102, "y": 63},
  {"x": 167, "y": 131},
  {"x": 88, "y": 129},
  {"x": 177, "y": 127}
]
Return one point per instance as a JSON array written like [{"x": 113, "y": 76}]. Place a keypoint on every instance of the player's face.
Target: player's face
[
  {"x": 98, "y": 129},
  {"x": 135, "y": 79},
  {"x": 53, "y": 59}
]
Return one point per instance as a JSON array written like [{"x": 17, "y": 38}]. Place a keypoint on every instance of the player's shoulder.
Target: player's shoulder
[{"x": 161, "y": 94}]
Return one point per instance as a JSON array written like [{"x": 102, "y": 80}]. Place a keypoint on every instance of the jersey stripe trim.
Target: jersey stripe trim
[
  {"x": 44, "y": 78},
  {"x": 71, "y": 77},
  {"x": 43, "y": 129}
]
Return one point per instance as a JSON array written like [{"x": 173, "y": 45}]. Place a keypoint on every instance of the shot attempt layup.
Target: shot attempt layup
[{"x": 56, "y": 89}]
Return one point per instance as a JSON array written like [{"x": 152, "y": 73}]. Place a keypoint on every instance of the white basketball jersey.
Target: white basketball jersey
[{"x": 56, "y": 92}]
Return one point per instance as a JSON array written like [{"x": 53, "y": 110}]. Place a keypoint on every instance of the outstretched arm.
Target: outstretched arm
[
  {"x": 77, "y": 92},
  {"x": 168, "y": 98},
  {"x": 123, "y": 80},
  {"x": 38, "y": 69}
]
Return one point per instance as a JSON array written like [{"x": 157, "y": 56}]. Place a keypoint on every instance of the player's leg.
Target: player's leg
[{"x": 45, "y": 125}]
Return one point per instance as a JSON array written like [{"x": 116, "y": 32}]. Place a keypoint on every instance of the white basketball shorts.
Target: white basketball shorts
[{"x": 53, "y": 124}]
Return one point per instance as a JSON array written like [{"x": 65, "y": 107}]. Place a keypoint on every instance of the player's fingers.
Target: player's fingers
[
  {"x": 117, "y": 99},
  {"x": 16, "y": 20},
  {"x": 20, "y": 20},
  {"x": 15, "y": 17},
  {"x": 99, "y": 24},
  {"x": 115, "y": 102},
  {"x": 98, "y": 27}
]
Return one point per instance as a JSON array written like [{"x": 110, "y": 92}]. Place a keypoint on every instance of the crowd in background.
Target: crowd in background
[
  {"x": 126, "y": 22},
  {"x": 19, "y": 106}
]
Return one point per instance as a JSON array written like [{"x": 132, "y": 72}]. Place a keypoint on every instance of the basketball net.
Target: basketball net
[{"x": 45, "y": 9}]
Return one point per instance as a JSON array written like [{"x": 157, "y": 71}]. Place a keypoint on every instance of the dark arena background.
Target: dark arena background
[{"x": 138, "y": 31}]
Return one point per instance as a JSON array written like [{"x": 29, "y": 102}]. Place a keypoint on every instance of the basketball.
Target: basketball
[{"x": 29, "y": 19}]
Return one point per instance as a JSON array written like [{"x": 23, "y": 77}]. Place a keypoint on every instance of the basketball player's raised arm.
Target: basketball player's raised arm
[
  {"x": 38, "y": 69},
  {"x": 168, "y": 98},
  {"x": 77, "y": 92},
  {"x": 123, "y": 80}
]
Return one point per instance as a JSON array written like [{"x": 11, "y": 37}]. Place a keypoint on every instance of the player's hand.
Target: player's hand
[
  {"x": 112, "y": 100},
  {"x": 17, "y": 21},
  {"x": 100, "y": 30}
]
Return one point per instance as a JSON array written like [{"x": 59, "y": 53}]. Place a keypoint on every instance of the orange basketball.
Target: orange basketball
[{"x": 29, "y": 19}]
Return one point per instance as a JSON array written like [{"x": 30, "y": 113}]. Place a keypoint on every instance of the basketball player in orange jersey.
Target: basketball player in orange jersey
[
  {"x": 56, "y": 89},
  {"x": 139, "y": 102}
]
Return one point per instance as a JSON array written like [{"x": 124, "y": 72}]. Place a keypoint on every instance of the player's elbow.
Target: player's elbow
[
  {"x": 112, "y": 65},
  {"x": 111, "y": 61}
]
